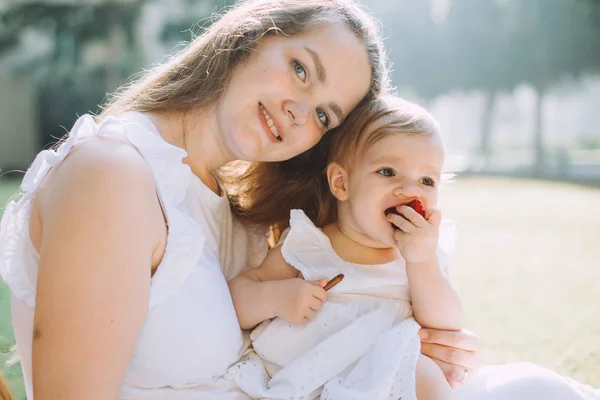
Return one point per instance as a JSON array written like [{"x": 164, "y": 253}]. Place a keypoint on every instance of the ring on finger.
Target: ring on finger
[{"x": 465, "y": 375}]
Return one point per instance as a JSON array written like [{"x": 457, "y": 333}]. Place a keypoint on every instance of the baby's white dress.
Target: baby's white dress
[{"x": 363, "y": 344}]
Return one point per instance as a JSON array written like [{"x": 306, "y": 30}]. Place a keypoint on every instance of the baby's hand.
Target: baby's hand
[
  {"x": 298, "y": 300},
  {"x": 416, "y": 235}
]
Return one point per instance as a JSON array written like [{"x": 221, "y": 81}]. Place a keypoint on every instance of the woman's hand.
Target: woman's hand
[{"x": 458, "y": 354}]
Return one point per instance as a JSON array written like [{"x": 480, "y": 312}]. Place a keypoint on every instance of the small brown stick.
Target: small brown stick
[{"x": 336, "y": 279}]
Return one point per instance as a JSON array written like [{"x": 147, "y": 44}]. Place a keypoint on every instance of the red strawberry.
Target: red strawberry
[{"x": 417, "y": 206}]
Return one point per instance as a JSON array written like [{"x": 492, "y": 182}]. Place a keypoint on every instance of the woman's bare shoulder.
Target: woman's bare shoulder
[
  {"x": 100, "y": 178},
  {"x": 108, "y": 167}
]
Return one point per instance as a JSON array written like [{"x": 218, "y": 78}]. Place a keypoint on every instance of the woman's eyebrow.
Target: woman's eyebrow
[
  {"x": 337, "y": 110},
  {"x": 321, "y": 74},
  {"x": 322, "y": 77}
]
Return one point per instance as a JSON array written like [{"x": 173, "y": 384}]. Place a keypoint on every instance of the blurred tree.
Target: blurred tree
[
  {"x": 475, "y": 34},
  {"x": 72, "y": 23},
  {"x": 69, "y": 83},
  {"x": 66, "y": 85},
  {"x": 415, "y": 45},
  {"x": 190, "y": 25},
  {"x": 458, "y": 48},
  {"x": 549, "y": 40}
]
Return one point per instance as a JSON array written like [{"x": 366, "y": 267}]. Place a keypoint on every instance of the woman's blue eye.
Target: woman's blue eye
[
  {"x": 300, "y": 70},
  {"x": 323, "y": 117},
  {"x": 427, "y": 181},
  {"x": 387, "y": 172}
]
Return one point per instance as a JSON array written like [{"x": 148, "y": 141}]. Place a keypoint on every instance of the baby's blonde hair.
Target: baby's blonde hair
[{"x": 394, "y": 116}]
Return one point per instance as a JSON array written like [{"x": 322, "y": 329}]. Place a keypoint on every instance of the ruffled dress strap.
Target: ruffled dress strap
[
  {"x": 309, "y": 250},
  {"x": 171, "y": 178},
  {"x": 13, "y": 230},
  {"x": 17, "y": 254}
]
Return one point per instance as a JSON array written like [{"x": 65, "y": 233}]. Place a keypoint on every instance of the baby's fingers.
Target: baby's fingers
[
  {"x": 315, "y": 304},
  {"x": 434, "y": 217},
  {"x": 319, "y": 293},
  {"x": 413, "y": 216},
  {"x": 401, "y": 223},
  {"x": 320, "y": 283},
  {"x": 309, "y": 314},
  {"x": 399, "y": 236}
]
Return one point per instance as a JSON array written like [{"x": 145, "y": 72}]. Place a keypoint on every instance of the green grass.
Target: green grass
[
  {"x": 526, "y": 266},
  {"x": 7, "y": 339}
]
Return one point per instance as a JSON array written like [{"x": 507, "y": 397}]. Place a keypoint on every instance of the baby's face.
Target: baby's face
[{"x": 394, "y": 171}]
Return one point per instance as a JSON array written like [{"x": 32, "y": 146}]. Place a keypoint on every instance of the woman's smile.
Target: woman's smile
[{"x": 269, "y": 124}]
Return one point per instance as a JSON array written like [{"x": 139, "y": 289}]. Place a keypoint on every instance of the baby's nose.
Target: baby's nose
[{"x": 407, "y": 189}]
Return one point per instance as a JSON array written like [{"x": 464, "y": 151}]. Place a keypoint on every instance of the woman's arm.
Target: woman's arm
[
  {"x": 98, "y": 213},
  {"x": 274, "y": 289},
  {"x": 458, "y": 354}
]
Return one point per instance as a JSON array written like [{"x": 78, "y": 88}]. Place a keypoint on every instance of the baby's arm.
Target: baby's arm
[
  {"x": 275, "y": 289},
  {"x": 435, "y": 302}
]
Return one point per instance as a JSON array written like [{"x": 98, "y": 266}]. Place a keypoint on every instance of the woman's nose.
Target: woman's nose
[{"x": 297, "y": 112}]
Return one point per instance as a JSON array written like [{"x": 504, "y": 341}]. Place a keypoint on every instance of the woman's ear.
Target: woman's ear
[{"x": 337, "y": 176}]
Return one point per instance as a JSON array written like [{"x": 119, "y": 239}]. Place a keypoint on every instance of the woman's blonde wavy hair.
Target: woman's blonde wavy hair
[
  {"x": 5, "y": 393},
  {"x": 197, "y": 77}
]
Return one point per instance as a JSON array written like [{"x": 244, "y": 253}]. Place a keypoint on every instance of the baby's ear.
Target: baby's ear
[{"x": 337, "y": 176}]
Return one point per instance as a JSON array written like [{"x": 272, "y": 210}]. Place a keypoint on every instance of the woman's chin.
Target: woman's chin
[{"x": 253, "y": 152}]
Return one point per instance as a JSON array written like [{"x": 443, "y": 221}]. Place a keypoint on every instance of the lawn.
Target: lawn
[
  {"x": 7, "y": 339},
  {"x": 526, "y": 265}
]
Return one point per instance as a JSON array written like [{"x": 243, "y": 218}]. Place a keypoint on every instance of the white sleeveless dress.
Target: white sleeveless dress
[
  {"x": 363, "y": 344},
  {"x": 191, "y": 334}
]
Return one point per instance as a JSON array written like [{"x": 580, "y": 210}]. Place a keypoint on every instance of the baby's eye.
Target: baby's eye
[
  {"x": 300, "y": 71},
  {"x": 387, "y": 172},
  {"x": 427, "y": 181}
]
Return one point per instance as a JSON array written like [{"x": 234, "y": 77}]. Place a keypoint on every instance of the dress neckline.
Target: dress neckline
[{"x": 195, "y": 179}]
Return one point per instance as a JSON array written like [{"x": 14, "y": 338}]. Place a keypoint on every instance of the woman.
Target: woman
[{"x": 113, "y": 254}]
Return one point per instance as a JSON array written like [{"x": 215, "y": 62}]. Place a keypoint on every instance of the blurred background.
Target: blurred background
[{"x": 515, "y": 85}]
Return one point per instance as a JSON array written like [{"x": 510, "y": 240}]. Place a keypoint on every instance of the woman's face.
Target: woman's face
[{"x": 290, "y": 91}]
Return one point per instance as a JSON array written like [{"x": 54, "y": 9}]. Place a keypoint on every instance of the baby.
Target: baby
[{"x": 378, "y": 226}]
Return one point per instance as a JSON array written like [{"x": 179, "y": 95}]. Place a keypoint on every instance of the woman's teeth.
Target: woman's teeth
[{"x": 272, "y": 126}]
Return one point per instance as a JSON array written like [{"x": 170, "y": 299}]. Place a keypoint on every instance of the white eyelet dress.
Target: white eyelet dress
[
  {"x": 363, "y": 344},
  {"x": 191, "y": 334}
]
